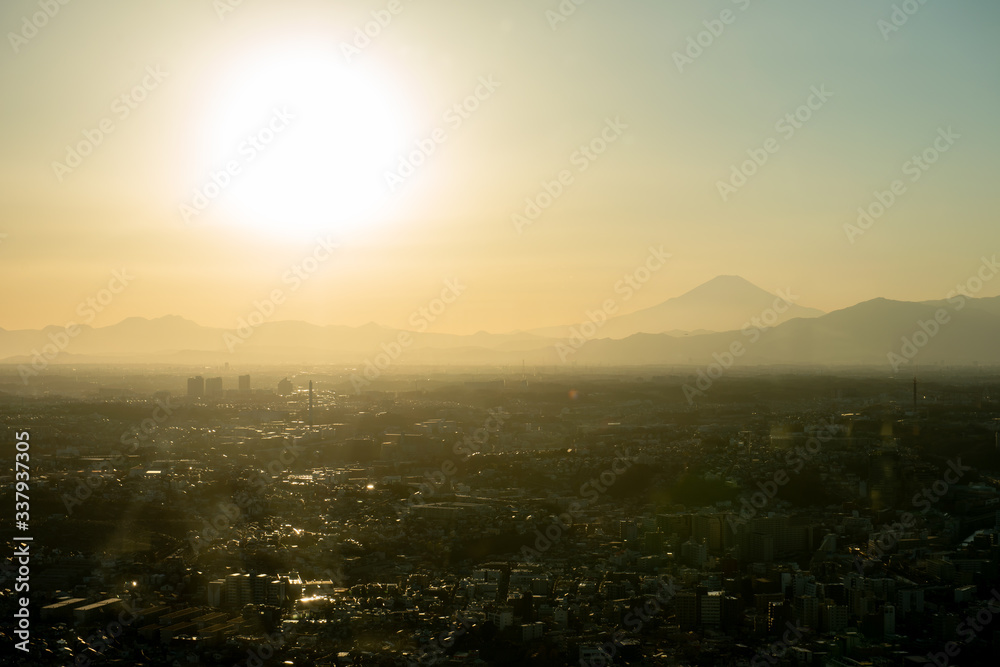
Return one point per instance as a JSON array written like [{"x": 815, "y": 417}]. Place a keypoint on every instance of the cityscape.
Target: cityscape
[
  {"x": 500, "y": 333},
  {"x": 524, "y": 515}
]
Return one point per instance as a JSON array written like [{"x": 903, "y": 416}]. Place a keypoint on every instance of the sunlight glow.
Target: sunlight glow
[{"x": 310, "y": 138}]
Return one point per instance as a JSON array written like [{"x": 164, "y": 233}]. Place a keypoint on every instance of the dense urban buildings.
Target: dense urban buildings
[
  {"x": 503, "y": 333},
  {"x": 498, "y": 517}
]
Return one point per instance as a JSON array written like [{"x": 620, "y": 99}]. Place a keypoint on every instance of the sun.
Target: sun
[{"x": 298, "y": 142}]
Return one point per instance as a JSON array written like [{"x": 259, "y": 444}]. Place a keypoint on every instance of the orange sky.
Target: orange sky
[{"x": 418, "y": 149}]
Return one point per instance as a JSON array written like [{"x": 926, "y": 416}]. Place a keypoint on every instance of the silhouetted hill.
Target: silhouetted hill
[
  {"x": 724, "y": 303},
  {"x": 863, "y": 334}
]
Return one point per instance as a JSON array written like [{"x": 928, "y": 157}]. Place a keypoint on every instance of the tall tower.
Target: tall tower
[
  {"x": 914, "y": 392},
  {"x": 196, "y": 387},
  {"x": 310, "y": 405}
]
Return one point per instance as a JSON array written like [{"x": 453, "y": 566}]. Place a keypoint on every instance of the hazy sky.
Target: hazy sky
[{"x": 310, "y": 130}]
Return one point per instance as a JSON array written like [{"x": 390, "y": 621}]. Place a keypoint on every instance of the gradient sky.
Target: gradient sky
[{"x": 324, "y": 174}]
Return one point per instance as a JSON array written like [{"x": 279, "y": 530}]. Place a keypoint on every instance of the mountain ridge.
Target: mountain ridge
[{"x": 866, "y": 333}]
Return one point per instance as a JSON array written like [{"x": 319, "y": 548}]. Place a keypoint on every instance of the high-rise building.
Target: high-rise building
[
  {"x": 889, "y": 619},
  {"x": 653, "y": 543},
  {"x": 833, "y": 617},
  {"x": 694, "y": 553},
  {"x": 674, "y": 524},
  {"x": 686, "y": 606},
  {"x": 196, "y": 387},
  {"x": 244, "y": 383},
  {"x": 711, "y": 608},
  {"x": 910, "y": 600},
  {"x": 627, "y": 530},
  {"x": 732, "y": 611},
  {"x": 807, "y": 609},
  {"x": 213, "y": 387},
  {"x": 231, "y": 589},
  {"x": 285, "y": 387},
  {"x": 708, "y": 529},
  {"x": 761, "y": 547},
  {"x": 502, "y": 617}
]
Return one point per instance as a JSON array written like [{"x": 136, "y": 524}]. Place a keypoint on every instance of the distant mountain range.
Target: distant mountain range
[
  {"x": 701, "y": 327},
  {"x": 723, "y": 303}
]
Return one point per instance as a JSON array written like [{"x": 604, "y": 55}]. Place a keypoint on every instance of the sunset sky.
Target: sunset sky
[{"x": 313, "y": 127}]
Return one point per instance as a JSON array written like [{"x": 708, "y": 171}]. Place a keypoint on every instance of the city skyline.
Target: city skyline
[{"x": 508, "y": 332}]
